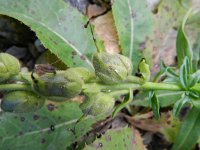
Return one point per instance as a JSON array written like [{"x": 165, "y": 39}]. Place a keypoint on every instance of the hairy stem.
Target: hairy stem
[
  {"x": 161, "y": 86},
  {"x": 121, "y": 86},
  {"x": 145, "y": 86}
]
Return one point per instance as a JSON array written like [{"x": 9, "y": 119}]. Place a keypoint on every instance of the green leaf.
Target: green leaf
[
  {"x": 184, "y": 73},
  {"x": 144, "y": 70},
  {"x": 49, "y": 128},
  {"x": 166, "y": 98},
  {"x": 194, "y": 18},
  {"x": 133, "y": 21},
  {"x": 118, "y": 139},
  {"x": 179, "y": 104},
  {"x": 126, "y": 101},
  {"x": 196, "y": 88},
  {"x": 155, "y": 104},
  {"x": 185, "y": 3},
  {"x": 165, "y": 70},
  {"x": 183, "y": 47},
  {"x": 58, "y": 25},
  {"x": 194, "y": 95},
  {"x": 196, "y": 103},
  {"x": 194, "y": 78},
  {"x": 189, "y": 132},
  {"x": 196, "y": 52}
]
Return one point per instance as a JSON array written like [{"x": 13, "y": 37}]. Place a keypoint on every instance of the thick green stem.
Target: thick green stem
[
  {"x": 160, "y": 86},
  {"x": 145, "y": 86},
  {"x": 15, "y": 87},
  {"x": 122, "y": 86}
]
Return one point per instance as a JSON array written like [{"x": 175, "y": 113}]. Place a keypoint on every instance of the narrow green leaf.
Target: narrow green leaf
[
  {"x": 123, "y": 104},
  {"x": 58, "y": 25},
  {"x": 133, "y": 20},
  {"x": 165, "y": 70},
  {"x": 184, "y": 73},
  {"x": 193, "y": 95},
  {"x": 189, "y": 132},
  {"x": 196, "y": 103},
  {"x": 171, "y": 72},
  {"x": 194, "y": 78},
  {"x": 155, "y": 104},
  {"x": 179, "y": 104},
  {"x": 183, "y": 76},
  {"x": 196, "y": 88},
  {"x": 183, "y": 47},
  {"x": 166, "y": 98},
  {"x": 196, "y": 52}
]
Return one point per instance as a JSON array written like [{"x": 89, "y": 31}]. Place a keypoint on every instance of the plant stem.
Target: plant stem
[
  {"x": 134, "y": 79},
  {"x": 15, "y": 87},
  {"x": 145, "y": 86},
  {"x": 122, "y": 86},
  {"x": 118, "y": 93},
  {"x": 161, "y": 86}
]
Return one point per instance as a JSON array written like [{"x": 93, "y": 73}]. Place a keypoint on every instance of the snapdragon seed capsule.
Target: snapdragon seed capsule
[{"x": 112, "y": 68}]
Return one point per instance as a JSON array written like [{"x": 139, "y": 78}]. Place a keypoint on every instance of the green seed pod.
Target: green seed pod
[
  {"x": 21, "y": 102},
  {"x": 9, "y": 66},
  {"x": 97, "y": 104},
  {"x": 4, "y": 74},
  {"x": 85, "y": 74},
  {"x": 112, "y": 68},
  {"x": 59, "y": 86}
]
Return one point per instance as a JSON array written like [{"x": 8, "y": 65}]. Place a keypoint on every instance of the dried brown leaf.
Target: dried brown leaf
[{"x": 104, "y": 28}]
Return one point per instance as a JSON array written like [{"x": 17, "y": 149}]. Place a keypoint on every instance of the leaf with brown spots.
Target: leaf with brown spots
[
  {"x": 133, "y": 20},
  {"x": 49, "y": 128},
  {"x": 58, "y": 25},
  {"x": 119, "y": 139},
  {"x": 104, "y": 28},
  {"x": 162, "y": 43}
]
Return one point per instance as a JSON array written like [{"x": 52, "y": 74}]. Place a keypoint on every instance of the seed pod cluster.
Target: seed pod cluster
[
  {"x": 112, "y": 68},
  {"x": 21, "y": 102},
  {"x": 9, "y": 66}
]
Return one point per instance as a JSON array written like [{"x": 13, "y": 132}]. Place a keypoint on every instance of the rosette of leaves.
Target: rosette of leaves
[
  {"x": 9, "y": 66},
  {"x": 21, "y": 102},
  {"x": 112, "y": 68}
]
